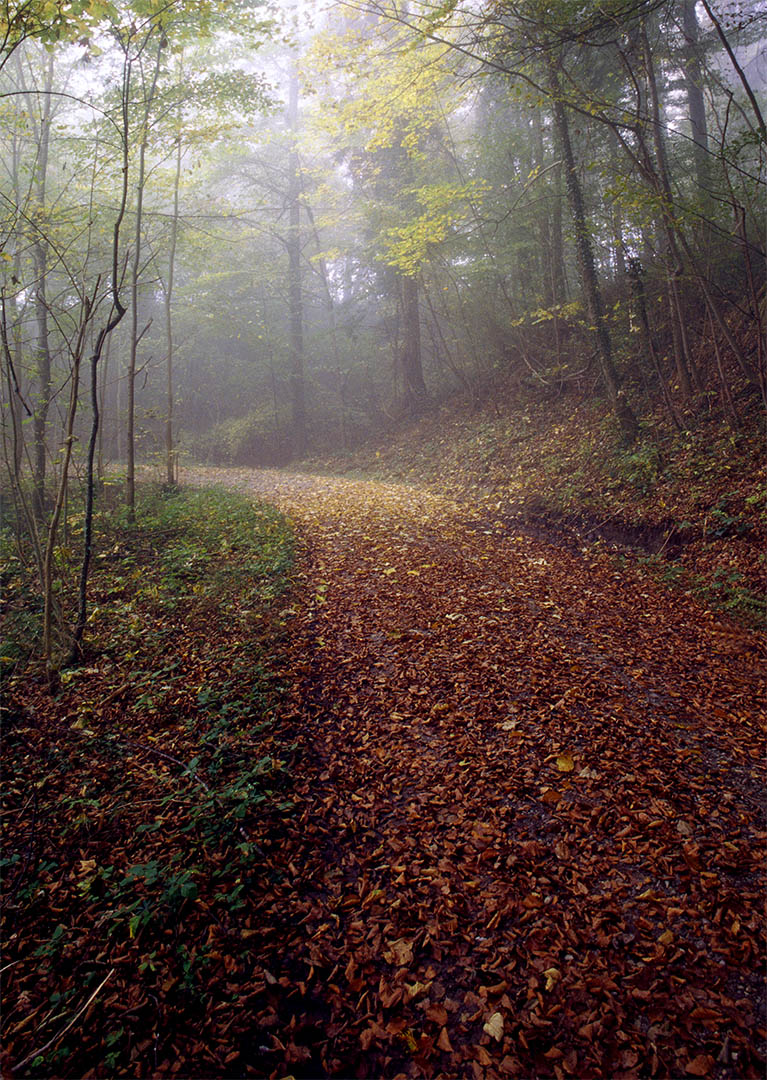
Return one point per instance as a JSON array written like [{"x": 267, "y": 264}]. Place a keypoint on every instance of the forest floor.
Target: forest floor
[
  {"x": 528, "y": 836},
  {"x": 445, "y": 799},
  {"x": 688, "y": 507}
]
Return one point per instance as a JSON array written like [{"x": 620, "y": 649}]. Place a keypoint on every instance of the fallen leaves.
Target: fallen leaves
[
  {"x": 494, "y": 1027},
  {"x": 701, "y": 1065},
  {"x": 475, "y": 883},
  {"x": 399, "y": 952}
]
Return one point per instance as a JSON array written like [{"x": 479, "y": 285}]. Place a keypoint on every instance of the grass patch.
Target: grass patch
[{"x": 138, "y": 796}]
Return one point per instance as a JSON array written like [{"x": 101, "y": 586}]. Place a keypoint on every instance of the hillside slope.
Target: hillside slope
[{"x": 688, "y": 507}]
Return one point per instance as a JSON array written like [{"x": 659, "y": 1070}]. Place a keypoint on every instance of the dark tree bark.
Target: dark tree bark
[
  {"x": 413, "y": 395},
  {"x": 295, "y": 293},
  {"x": 592, "y": 292},
  {"x": 696, "y": 105}
]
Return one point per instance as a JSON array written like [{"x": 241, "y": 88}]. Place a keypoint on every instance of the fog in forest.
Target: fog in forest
[{"x": 264, "y": 232}]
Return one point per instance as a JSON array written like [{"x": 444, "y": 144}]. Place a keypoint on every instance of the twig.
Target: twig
[
  {"x": 72, "y": 1022},
  {"x": 116, "y": 693},
  {"x": 169, "y": 757}
]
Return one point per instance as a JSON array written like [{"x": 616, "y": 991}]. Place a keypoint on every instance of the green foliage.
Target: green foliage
[
  {"x": 726, "y": 519},
  {"x": 244, "y": 440},
  {"x": 642, "y": 467},
  {"x": 153, "y": 805}
]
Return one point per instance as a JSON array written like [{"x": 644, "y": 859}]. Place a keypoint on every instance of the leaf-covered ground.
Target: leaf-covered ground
[
  {"x": 134, "y": 793},
  {"x": 528, "y": 835},
  {"x": 691, "y": 504},
  {"x": 495, "y": 812}
]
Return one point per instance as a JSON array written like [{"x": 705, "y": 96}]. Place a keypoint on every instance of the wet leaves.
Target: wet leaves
[
  {"x": 507, "y": 779},
  {"x": 484, "y": 874}
]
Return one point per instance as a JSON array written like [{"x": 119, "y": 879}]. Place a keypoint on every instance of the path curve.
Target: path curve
[{"x": 528, "y": 837}]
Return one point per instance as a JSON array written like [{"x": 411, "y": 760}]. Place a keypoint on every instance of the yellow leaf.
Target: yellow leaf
[
  {"x": 409, "y": 1040},
  {"x": 552, "y": 976},
  {"x": 666, "y": 938},
  {"x": 565, "y": 763},
  {"x": 494, "y": 1027}
]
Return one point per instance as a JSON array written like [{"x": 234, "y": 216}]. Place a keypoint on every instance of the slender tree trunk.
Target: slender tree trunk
[
  {"x": 63, "y": 485},
  {"x": 696, "y": 105},
  {"x": 677, "y": 240},
  {"x": 40, "y": 258},
  {"x": 413, "y": 385},
  {"x": 17, "y": 415},
  {"x": 760, "y": 121},
  {"x": 130, "y": 432},
  {"x": 616, "y": 218},
  {"x": 11, "y": 369},
  {"x": 170, "y": 459},
  {"x": 727, "y": 399},
  {"x": 593, "y": 295},
  {"x": 546, "y": 241},
  {"x": 16, "y": 358},
  {"x": 684, "y": 361},
  {"x": 116, "y": 314},
  {"x": 295, "y": 292},
  {"x": 637, "y": 288},
  {"x": 104, "y": 380}
]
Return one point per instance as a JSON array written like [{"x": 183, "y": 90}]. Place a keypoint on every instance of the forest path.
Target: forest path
[{"x": 528, "y": 838}]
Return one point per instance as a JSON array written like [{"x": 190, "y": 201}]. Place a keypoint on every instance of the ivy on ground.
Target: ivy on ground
[{"x": 134, "y": 798}]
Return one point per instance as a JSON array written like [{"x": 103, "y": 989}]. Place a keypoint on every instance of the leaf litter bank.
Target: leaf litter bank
[{"x": 528, "y": 837}]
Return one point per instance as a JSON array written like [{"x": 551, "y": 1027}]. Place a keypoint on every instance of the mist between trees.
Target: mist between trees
[{"x": 244, "y": 234}]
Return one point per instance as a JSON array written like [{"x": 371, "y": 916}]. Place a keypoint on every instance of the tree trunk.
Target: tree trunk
[
  {"x": 130, "y": 431},
  {"x": 413, "y": 386},
  {"x": 558, "y": 275},
  {"x": 592, "y": 292},
  {"x": 637, "y": 287},
  {"x": 295, "y": 293},
  {"x": 116, "y": 314},
  {"x": 616, "y": 218},
  {"x": 696, "y": 106},
  {"x": 40, "y": 258},
  {"x": 61, "y": 494},
  {"x": 684, "y": 361},
  {"x": 170, "y": 458}
]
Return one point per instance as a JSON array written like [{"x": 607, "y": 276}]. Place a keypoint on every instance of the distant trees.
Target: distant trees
[{"x": 404, "y": 201}]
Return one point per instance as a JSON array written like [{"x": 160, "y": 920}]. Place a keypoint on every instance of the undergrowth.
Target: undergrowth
[{"x": 136, "y": 797}]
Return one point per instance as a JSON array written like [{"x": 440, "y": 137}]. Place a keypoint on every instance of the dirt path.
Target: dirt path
[{"x": 528, "y": 836}]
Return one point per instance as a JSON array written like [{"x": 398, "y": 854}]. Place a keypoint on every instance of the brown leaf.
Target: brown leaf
[
  {"x": 700, "y": 1065},
  {"x": 400, "y": 953},
  {"x": 443, "y": 1042},
  {"x": 437, "y": 1013}
]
